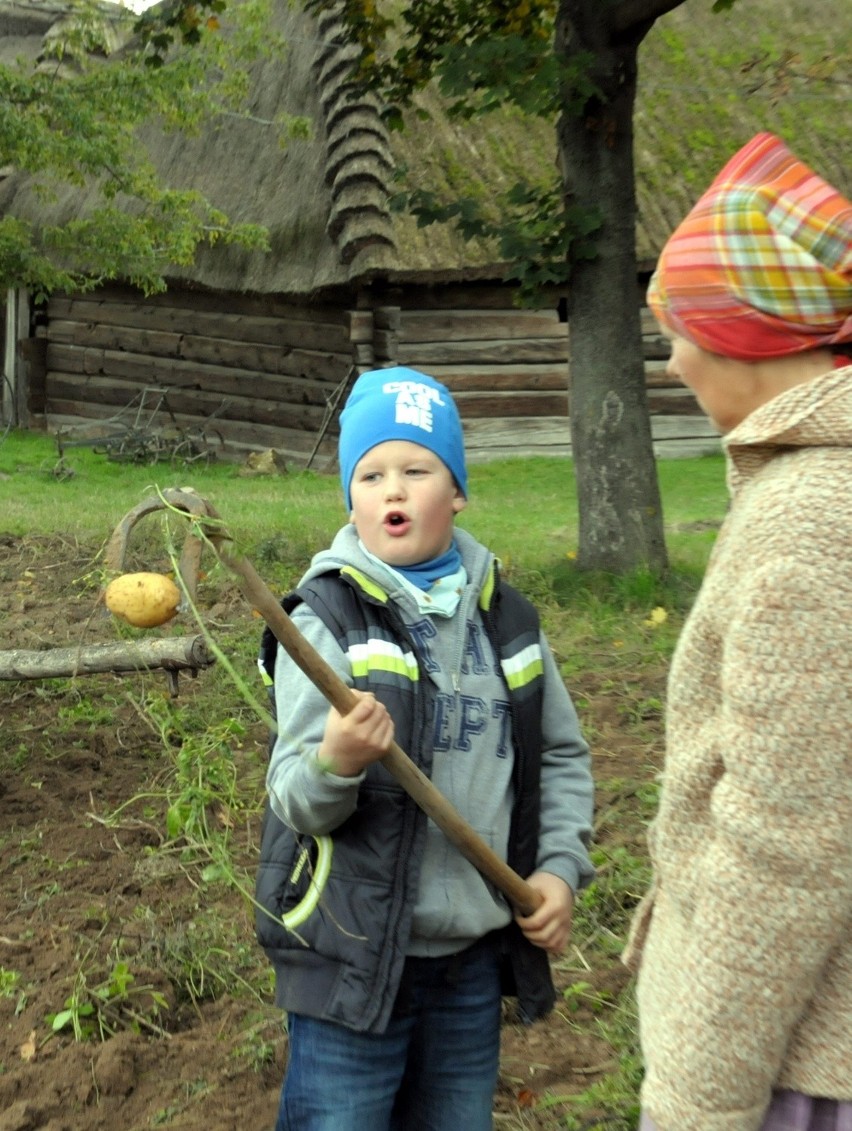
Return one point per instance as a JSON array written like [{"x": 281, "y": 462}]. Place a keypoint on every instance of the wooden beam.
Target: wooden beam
[
  {"x": 280, "y": 331},
  {"x": 480, "y": 325},
  {"x": 502, "y": 378},
  {"x": 65, "y": 395},
  {"x": 216, "y": 302},
  {"x": 148, "y": 372},
  {"x": 512, "y": 404},
  {"x": 425, "y": 355},
  {"x": 192, "y": 348}
]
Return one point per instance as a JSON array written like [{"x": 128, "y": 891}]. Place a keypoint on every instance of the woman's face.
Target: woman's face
[{"x": 726, "y": 389}]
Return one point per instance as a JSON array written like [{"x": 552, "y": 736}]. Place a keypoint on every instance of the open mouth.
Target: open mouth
[{"x": 396, "y": 522}]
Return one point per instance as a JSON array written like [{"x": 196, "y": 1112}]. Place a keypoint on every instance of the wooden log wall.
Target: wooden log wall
[
  {"x": 508, "y": 370},
  {"x": 246, "y": 374},
  {"x": 251, "y": 373}
]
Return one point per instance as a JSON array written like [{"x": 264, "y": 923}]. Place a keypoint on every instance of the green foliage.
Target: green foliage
[
  {"x": 204, "y": 790},
  {"x": 604, "y": 908},
  {"x": 202, "y": 781},
  {"x": 83, "y": 711},
  {"x": 9, "y": 980},
  {"x": 211, "y": 956},
  {"x": 612, "y": 1103},
  {"x": 535, "y": 233},
  {"x": 73, "y": 121},
  {"x": 584, "y": 995},
  {"x": 192, "y": 1091},
  {"x": 182, "y": 21},
  {"x": 94, "y": 1011},
  {"x": 494, "y": 52},
  {"x": 259, "y": 1043}
]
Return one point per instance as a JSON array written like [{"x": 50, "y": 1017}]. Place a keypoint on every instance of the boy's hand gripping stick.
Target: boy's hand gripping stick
[{"x": 208, "y": 527}]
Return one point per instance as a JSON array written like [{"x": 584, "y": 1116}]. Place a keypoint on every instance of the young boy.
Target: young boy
[{"x": 393, "y": 982}]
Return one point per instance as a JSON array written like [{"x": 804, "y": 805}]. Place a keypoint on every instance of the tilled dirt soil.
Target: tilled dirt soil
[{"x": 92, "y": 891}]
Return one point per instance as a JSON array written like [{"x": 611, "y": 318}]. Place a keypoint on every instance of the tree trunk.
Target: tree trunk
[
  {"x": 620, "y": 512},
  {"x": 171, "y": 653}
]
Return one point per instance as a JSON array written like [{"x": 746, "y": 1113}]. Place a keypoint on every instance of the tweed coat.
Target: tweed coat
[{"x": 744, "y": 943}]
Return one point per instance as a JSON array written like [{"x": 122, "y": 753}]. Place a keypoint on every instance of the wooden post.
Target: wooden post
[{"x": 14, "y": 394}]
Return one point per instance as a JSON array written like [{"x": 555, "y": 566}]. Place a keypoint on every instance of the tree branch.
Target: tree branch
[
  {"x": 172, "y": 653},
  {"x": 633, "y": 13}
]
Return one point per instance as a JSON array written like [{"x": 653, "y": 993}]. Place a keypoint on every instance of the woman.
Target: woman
[{"x": 744, "y": 943}]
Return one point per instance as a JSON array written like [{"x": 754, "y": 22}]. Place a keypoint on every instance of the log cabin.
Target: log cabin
[{"x": 252, "y": 350}]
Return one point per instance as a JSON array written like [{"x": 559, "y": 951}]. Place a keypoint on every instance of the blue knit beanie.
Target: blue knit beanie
[{"x": 400, "y": 404}]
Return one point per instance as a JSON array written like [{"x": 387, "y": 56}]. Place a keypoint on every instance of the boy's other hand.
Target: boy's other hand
[
  {"x": 549, "y": 926},
  {"x": 351, "y": 742}
]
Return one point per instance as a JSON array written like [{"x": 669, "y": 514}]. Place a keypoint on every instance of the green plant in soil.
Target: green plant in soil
[
  {"x": 96, "y": 1009},
  {"x": 611, "y": 1103},
  {"x": 9, "y": 980}
]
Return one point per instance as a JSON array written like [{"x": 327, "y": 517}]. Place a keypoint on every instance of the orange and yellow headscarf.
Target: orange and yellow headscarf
[{"x": 762, "y": 265}]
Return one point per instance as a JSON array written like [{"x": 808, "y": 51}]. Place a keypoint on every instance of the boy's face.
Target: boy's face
[{"x": 404, "y": 502}]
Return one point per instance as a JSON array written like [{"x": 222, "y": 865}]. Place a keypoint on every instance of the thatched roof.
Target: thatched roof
[{"x": 324, "y": 200}]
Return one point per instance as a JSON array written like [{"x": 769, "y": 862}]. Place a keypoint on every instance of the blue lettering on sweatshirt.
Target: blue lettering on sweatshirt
[
  {"x": 475, "y": 656},
  {"x": 501, "y": 710},
  {"x": 424, "y": 631},
  {"x": 444, "y": 705},
  {"x": 474, "y": 713},
  {"x": 460, "y": 719}
]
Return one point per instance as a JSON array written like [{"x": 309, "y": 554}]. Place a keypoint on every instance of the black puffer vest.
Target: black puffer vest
[{"x": 344, "y": 961}]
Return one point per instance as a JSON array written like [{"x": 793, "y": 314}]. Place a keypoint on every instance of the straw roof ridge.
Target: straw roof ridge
[
  {"x": 707, "y": 83},
  {"x": 358, "y": 160}
]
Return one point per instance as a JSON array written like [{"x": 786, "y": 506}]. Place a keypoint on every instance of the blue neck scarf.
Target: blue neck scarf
[{"x": 425, "y": 574}]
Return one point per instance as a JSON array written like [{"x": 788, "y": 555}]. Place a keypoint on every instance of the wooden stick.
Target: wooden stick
[
  {"x": 520, "y": 894},
  {"x": 523, "y": 897}
]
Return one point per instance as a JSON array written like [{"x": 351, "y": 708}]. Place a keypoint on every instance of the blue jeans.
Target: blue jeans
[{"x": 434, "y": 1069}]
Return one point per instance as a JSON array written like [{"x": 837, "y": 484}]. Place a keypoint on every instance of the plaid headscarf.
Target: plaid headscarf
[{"x": 762, "y": 265}]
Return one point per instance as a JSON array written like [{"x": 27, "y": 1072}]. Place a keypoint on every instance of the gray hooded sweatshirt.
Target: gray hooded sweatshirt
[{"x": 472, "y": 759}]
